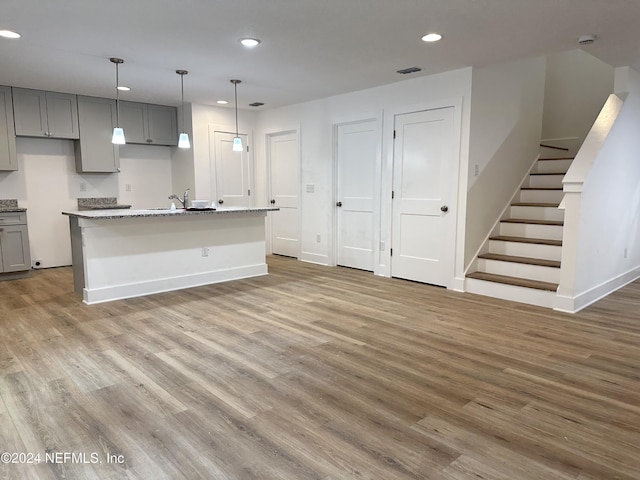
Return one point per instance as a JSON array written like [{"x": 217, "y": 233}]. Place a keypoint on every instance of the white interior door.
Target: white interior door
[
  {"x": 424, "y": 185},
  {"x": 284, "y": 187},
  {"x": 232, "y": 171},
  {"x": 355, "y": 182}
]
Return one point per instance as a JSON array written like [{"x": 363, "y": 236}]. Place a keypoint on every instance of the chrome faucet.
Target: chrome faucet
[{"x": 184, "y": 200}]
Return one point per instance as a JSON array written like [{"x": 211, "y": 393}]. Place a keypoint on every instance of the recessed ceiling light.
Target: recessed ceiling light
[
  {"x": 222, "y": 102},
  {"x": 250, "y": 42},
  {"x": 123, "y": 88},
  {"x": 431, "y": 37},
  {"x": 9, "y": 34}
]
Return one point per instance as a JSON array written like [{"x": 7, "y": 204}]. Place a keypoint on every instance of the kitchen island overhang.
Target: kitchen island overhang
[{"x": 120, "y": 254}]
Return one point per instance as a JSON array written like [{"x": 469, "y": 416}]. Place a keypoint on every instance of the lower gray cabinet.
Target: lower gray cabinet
[
  {"x": 8, "y": 160},
  {"x": 94, "y": 151},
  {"x": 14, "y": 243}
]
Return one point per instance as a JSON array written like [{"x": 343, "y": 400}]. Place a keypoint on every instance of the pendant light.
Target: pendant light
[
  {"x": 237, "y": 141},
  {"x": 183, "y": 139},
  {"x": 118, "y": 133}
]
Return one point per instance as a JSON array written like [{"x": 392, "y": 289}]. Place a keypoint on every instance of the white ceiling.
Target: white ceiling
[{"x": 311, "y": 48}]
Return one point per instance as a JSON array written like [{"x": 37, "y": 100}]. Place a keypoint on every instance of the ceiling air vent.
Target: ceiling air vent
[
  {"x": 256, "y": 104},
  {"x": 404, "y": 71}
]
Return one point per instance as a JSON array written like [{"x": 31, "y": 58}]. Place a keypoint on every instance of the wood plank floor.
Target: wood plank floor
[{"x": 316, "y": 373}]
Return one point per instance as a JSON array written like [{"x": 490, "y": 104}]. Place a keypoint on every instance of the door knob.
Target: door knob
[
  {"x": 273, "y": 201},
  {"x": 339, "y": 204},
  {"x": 220, "y": 201},
  {"x": 444, "y": 208}
]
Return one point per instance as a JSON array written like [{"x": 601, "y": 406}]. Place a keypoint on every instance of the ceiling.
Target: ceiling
[{"x": 310, "y": 48}]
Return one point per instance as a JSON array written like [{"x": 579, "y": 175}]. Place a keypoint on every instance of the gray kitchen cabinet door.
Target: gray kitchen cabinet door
[
  {"x": 30, "y": 112},
  {"x": 163, "y": 128},
  {"x": 8, "y": 160},
  {"x": 62, "y": 115},
  {"x": 45, "y": 114},
  {"x": 149, "y": 124},
  {"x": 134, "y": 121},
  {"x": 14, "y": 243},
  {"x": 94, "y": 151}
]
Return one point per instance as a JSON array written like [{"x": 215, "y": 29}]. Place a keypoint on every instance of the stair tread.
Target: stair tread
[
  {"x": 557, "y": 158},
  {"x": 539, "y": 241},
  {"x": 554, "y": 147},
  {"x": 534, "y": 222},
  {"x": 534, "y": 204},
  {"x": 525, "y": 260},
  {"x": 548, "y": 173},
  {"x": 517, "y": 281},
  {"x": 541, "y": 188}
]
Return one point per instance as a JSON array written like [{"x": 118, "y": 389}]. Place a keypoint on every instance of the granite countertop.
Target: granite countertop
[
  {"x": 164, "y": 212},
  {"x": 100, "y": 203},
  {"x": 9, "y": 205}
]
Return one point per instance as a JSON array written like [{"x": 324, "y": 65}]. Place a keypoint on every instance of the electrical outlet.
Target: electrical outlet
[
  {"x": 476, "y": 170},
  {"x": 317, "y": 238},
  {"x": 205, "y": 251},
  {"x": 625, "y": 253},
  {"x": 311, "y": 188},
  {"x": 83, "y": 187},
  {"x": 382, "y": 246},
  {"x": 127, "y": 187}
]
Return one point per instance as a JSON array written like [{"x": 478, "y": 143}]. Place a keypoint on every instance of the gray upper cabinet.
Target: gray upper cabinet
[
  {"x": 8, "y": 159},
  {"x": 149, "y": 124},
  {"x": 45, "y": 114},
  {"x": 94, "y": 151}
]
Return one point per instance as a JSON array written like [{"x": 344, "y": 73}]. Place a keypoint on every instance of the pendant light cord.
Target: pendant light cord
[
  {"x": 117, "y": 98},
  {"x": 235, "y": 90}
]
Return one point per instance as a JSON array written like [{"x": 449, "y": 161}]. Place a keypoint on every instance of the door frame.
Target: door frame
[
  {"x": 378, "y": 117},
  {"x": 458, "y": 201},
  {"x": 212, "y": 129},
  {"x": 268, "y": 136}
]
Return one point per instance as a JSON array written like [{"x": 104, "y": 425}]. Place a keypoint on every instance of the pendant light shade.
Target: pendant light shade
[
  {"x": 183, "y": 139},
  {"x": 237, "y": 141},
  {"x": 118, "y": 136},
  {"x": 118, "y": 133}
]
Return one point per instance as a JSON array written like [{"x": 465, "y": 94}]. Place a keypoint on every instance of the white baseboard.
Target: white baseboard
[
  {"x": 584, "y": 299},
  {"x": 119, "y": 292},
  {"x": 314, "y": 258}
]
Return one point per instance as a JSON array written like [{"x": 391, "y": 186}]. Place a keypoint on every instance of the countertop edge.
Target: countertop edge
[
  {"x": 110, "y": 214},
  {"x": 12, "y": 210}
]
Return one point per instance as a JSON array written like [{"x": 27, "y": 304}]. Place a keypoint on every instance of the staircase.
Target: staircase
[{"x": 521, "y": 260}]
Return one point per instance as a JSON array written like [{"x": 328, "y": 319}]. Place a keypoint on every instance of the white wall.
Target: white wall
[
  {"x": 577, "y": 85},
  {"x": 46, "y": 183},
  {"x": 506, "y": 119},
  {"x": 602, "y": 198},
  {"x": 194, "y": 168},
  {"x": 315, "y": 121}
]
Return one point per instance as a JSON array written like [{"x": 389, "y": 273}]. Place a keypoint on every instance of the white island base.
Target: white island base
[{"x": 119, "y": 255}]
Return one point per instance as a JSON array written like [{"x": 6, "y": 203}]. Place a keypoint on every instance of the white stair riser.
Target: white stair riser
[
  {"x": 542, "y": 196},
  {"x": 521, "y": 270},
  {"x": 537, "y": 213},
  {"x": 532, "y": 250},
  {"x": 531, "y": 296},
  {"x": 545, "y": 181},
  {"x": 551, "y": 232},
  {"x": 549, "y": 166}
]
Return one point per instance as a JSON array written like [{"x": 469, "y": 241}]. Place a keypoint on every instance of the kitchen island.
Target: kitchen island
[{"x": 120, "y": 254}]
